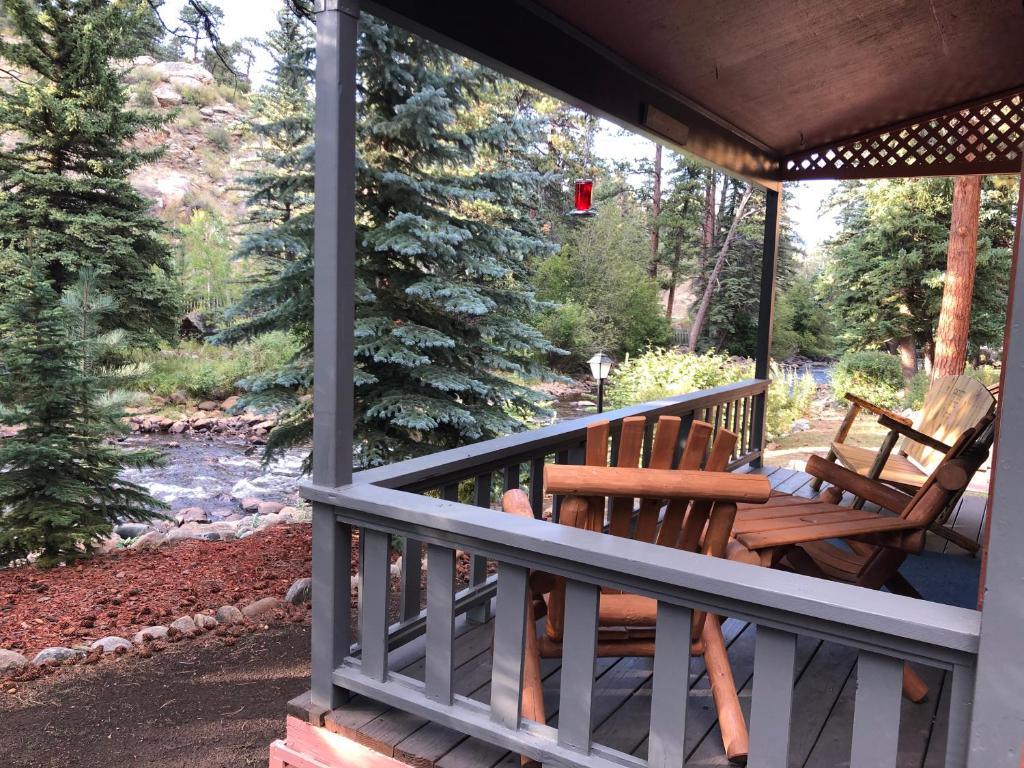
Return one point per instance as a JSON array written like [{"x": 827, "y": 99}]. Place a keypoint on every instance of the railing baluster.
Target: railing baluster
[
  {"x": 745, "y": 442},
  {"x": 509, "y": 643},
  {"x": 666, "y": 745},
  {"x": 450, "y": 492},
  {"x": 737, "y": 450},
  {"x": 412, "y": 573},
  {"x": 961, "y": 702},
  {"x": 577, "y": 686},
  {"x": 772, "y": 703},
  {"x": 440, "y": 622},
  {"x": 332, "y": 612},
  {"x": 481, "y": 613},
  {"x": 562, "y": 457},
  {"x": 876, "y": 715},
  {"x": 511, "y": 476},
  {"x": 537, "y": 486},
  {"x": 375, "y": 570}
]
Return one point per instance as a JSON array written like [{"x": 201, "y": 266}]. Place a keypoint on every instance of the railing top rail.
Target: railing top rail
[
  {"x": 887, "y": 623},
  {"x": 462, "y": 460}
]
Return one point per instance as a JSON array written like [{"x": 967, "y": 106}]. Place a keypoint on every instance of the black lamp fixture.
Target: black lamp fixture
[{"x": 600, "y": 367}]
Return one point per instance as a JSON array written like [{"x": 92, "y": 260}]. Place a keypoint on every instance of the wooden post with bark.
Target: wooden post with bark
[
  {"x": 652, "y": 267},
  {"x": 958, "y": 288}
]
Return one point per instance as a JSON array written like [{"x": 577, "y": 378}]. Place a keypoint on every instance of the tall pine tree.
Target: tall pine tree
[
  {"x": 60, "y": 486},
  {"x": 65, "y": 198},
  {"x": 445, "y": 236}
]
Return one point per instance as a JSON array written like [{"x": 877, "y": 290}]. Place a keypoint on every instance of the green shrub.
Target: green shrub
[
  {"x": 658, "y": 374},
  {"x": 203, "y": 96},
  {"x": 143, "y": 92},
  {"x": 205, "y": 371},
  {"x": 189, "y": 119},
  {"x": 875, "y": 376},
  {"x": 219, "y": 136}
]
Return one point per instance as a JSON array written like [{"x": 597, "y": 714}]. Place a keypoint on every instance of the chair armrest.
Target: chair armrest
[
  {"x": 837, "y": 530},
  {"x": 864, "y": 487},
  {"x": 878, "y": 410},
  {"x": 629, "y": 482},
  {"x": 912, "y": 434}
]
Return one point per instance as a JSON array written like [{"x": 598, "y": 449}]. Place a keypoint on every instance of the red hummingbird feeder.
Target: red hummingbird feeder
[{"x": 583, "y": 199}]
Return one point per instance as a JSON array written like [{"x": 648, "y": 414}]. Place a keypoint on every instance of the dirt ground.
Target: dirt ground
[{"x": 196, "y": 705}]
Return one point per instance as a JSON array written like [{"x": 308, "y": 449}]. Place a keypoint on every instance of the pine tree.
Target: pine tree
[
  {"x": 65, "y": 198},
  {"x": 60, "y": 486},
  {"x": 444, "y": 245}
]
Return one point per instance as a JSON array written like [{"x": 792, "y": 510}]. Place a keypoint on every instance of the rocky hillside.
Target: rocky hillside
[{"x": 203, "y": 138}]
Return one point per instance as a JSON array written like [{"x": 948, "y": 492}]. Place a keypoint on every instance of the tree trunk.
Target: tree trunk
[
  {"x": 652, "y": 267},
  {"x": 672, "y": 283},
  {"x": 708, "y": 240},
  {"x": 709, "y": 289},
  {"x": 958, "y": 288},
  {"x": 906, "y": 348}
]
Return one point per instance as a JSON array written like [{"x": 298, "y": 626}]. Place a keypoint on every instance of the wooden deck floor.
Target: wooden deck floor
[{"x": 823, "y": 695}]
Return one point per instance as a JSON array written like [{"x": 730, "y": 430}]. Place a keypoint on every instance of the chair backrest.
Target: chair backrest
[{"x": 953, "y": 405}]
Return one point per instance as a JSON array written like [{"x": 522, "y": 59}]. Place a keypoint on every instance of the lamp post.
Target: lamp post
[{"x": 600, "y": 367}]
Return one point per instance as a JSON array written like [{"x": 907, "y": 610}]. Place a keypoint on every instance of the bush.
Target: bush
[
  {"x": 189, "y": 119},
  {"x": 875, "y": 376},
  {"x": 143, "y": 92},
  {"x": 658, "y": 374},
  {"x": 205, "y": 371},
  {"x": 219, "y": 137},
  {"x": 203, "y": 96}
]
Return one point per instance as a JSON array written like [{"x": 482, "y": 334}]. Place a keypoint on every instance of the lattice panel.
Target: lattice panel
[{"x": 984, "y": 138}]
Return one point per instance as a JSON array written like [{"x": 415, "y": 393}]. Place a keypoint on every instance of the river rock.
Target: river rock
[
  {"x": 185, "y": 626},
  {"x": 178, "y": 398},
  {"x": 56, "y": 654},
  {"x": 146, "y": 634},
  {"x": 111, "y": 644},
  {"x": 205, "y": 621},
  {"x": 228, "y": 614},
  {"x": 269, "y": 507},
  {"x": 230, "y": 403},
  {"x": 131, "y": 530},
  {"x": 207, "y": 405},
  {"x": 261, "y": 607},
  {"x": 110, "y": 544},
  {"x": 300, "y": 592},
  {"x": 192, "y": 515},
  {"x": 166, "y": 95},
  {"x": 250, "y": 504},
  {"x": 11, "y": 661},
  {"x": 178, "y": 427},
  {"x": 149, "y": 540}
]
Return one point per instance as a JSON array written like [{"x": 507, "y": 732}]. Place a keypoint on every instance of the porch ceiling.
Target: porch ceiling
[{"x": 746, "y": 85}]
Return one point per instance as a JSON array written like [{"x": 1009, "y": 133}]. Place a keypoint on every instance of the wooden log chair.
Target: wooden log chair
[
  {"x": 673, "y": 516},
  {"x": 818, "y": 537},
  {"x": 952, "y": 405}
]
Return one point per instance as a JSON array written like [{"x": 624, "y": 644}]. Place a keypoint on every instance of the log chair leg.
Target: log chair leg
[
  {"x": 533, "y": 689},
  {"x": 914, "y": 688},
  {"x": 723, "y": 689}
]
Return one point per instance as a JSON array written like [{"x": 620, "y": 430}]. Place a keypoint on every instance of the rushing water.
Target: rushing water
[{"x": 215, "y": 473}]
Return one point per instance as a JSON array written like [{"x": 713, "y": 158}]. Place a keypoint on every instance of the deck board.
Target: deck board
[{"x": 824, "y": 690}]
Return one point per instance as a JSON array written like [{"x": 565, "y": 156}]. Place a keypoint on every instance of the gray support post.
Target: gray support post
[
  {"x": 509, "y": 645},
  {"x": 876, "y": 712},
  {"x": 334, "y": 311},
  {"x": 374, "y": 579},
  {"x": 440, "y": 623},
  {"x": 481, "y": 613},
  {"x": 997, "y": 721},
  {"x": 766, "y": 312},
  {"x": 577, "y": 690}
]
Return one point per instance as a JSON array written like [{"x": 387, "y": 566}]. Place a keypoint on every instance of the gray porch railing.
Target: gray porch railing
[{"x": 418, "y": 501}]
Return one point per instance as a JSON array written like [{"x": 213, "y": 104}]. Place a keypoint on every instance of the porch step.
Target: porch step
[{"x": 309, "y": 746}]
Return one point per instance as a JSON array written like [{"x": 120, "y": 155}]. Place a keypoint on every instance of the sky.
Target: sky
[{"x": 254, "y": 18}]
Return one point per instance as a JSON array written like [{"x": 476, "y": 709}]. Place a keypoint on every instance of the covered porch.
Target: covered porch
[{"x": 429, "y": 671}]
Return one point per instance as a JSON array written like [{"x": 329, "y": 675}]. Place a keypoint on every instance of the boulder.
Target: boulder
[
  {"x": 107, "y": 545},
  {"x": 178, "y": 398},
  {"x": 111, "y": 644},
  {"x": 166, "y": 187},
  {"x": 207, "y": 405},
  {"x": 11, "y": 662},
  {"x": 228, "y": 614},
  {"x": 261, "y": 607},
  {"x": 250, "y": 504},
  {"x": 230, "y": 403},
  {"x": 205, "y": 621},
  {"x": 166, "y": 95},
  {"x": 149, "y": 540},
  {"x": 147, "y": 634},
  {"x": 300, "y": 592},
  {"x": 269, "y": 507},
  {"x": 55, "y": 655},
  {"x": 185, "y": 626},
  {"x": 183, "y": 73},
  {"x": 192, "y": 515},
  {"x": 178, "y": 427},
  {"x": 131, "y": 530}
]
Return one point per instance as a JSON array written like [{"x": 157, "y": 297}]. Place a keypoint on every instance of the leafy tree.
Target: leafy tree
[
  {"x": 65, "y": 199},
  {"x": 604, "y": 299},
  {"x": 681, "y": 225},
  {"x": 887, "y": 264},
  {"x": 202, "y": 20},
  {"x": 61, "y": 488},
  {"x": 208, "y": 277}
]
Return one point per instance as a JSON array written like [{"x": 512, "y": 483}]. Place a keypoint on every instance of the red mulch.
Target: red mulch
[{"x": 126, "y": 591}]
